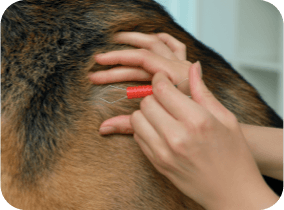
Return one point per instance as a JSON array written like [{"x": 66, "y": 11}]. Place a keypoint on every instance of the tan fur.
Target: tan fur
[{"x": 52, "y": 154}]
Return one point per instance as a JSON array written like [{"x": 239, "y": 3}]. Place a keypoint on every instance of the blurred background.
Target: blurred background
[{"x": 247, "y": 33}]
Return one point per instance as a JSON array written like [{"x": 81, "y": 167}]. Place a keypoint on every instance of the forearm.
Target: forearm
[
  {"x": 266, "y": 145},
  {"x": 255, "y": 198}
]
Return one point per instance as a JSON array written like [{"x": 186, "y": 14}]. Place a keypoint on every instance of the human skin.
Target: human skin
[
  {"x": 206, "y": 158},
  {"x": 265, "y": 143},
  {"x": 52, "y": 155}
]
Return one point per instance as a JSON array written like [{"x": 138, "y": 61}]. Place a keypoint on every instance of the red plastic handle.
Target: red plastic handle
[{"x": 139, "y": 91}]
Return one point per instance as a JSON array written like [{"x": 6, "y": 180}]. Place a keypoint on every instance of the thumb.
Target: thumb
[
  {"x": 120, "y": 124},
  {"x": 201, "y": 94}
]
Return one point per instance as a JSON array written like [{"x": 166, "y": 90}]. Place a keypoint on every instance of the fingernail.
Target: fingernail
[{"x": 107, "y": 130}]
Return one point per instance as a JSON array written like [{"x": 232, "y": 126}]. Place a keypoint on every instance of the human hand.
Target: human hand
[
  {"x": 198, "y": 145},
  {"x": 160, "y": 52}
]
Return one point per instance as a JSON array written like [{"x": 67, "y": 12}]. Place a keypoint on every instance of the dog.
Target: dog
[{"x": 52, "y": 154}]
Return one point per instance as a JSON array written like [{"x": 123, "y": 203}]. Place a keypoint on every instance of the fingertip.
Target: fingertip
[
  {"x": 104, "y": 77},
  {"x": 93, "y": 78},
  {"x": 97, "y": 57},
  {"x": 107, "y": 130}
]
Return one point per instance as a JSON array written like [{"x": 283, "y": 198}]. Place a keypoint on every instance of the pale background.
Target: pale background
[{"x": 247, "y": 33}]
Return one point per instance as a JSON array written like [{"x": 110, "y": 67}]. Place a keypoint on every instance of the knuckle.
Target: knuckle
[
  {"x": 178, "y": 145},
  {"x": 179, "y": 141},
  {"x": 155, "y": 45},
  {"x": 145, "y": 102},
  {"x": 160, "y": 87},
  {"x": 162, "y": 34},
  {"x": 144, "y": 56},
  {"x": 143, "y": 52},
  {"x": 205, "y": 124},
  {"x": 182, "y": 46},
  {"x": 135, "y": 115},
  {"x": 154, "y": 39},
  {"x": 162, "y": 158}
]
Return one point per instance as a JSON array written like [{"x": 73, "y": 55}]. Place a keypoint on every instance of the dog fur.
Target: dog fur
[{"x": 52, "y": 154}]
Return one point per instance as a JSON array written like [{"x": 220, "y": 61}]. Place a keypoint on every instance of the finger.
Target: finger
[
  {"x": 120, "y": 123},
  {"x": 146, "y": 131},
  {"x": 202, "y": 95},
  {"x": 150, "y": 62},
  {"x": 150, "y": 155},
  {"x": 119, "y": 74},
  {"x": 169, "y": 129},
  {"x": 177, "y": 47},
  {"x": 164, "y": 124},
  {"x": 144, "y": 147},
  {"x": 146, "y": 41},
  {"x": 176, "y": 103}
]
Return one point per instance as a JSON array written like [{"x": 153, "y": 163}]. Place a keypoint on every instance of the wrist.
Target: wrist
[
  {"x": 266, "y": 145},
  {"x": 253, "y": 197}
]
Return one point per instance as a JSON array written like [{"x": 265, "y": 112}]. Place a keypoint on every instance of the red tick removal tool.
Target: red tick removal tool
[{"x": 135, "y": 92}]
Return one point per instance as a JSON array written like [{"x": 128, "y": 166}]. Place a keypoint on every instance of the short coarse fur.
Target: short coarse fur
[{"x": 52, "y": 154}]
